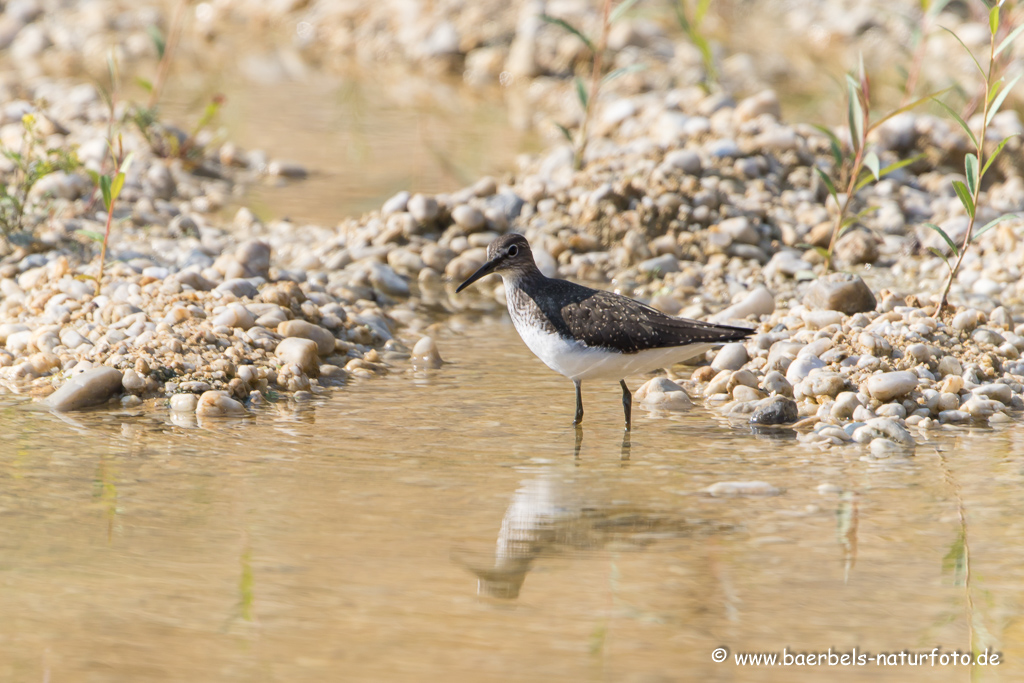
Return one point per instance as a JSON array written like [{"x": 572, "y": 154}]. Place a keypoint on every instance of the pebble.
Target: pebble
[
  {"x": 776, "y": 410},
  {"x": 884, "y": 448},
  {"x": 235, "y": 315},
  {"x": 662, "y": 393},
  {"x": 659, "y": 266},
  {"x": 184, "y": 403},
  {"x": 468, "y": 217},
  {"x": 884, "y": 428},
  {"x": 889, "y": 385},
  {"x": 685, "y": 160},
  {"x": 840, "y": 292},
  {"x": 426, "y": 355},
  {"x": 757, "y": 303},
  {"x": 84, "y": 390},
  {"x": 218, "y": 404},
  {"x": 776, "y": 383},
  {"x": 742, "y": 488},
  {"x": 302, "y": 329},
  {"x": 732, "y": 356},
  {"x": 845, "y": 404},
  {"x": 802, "y": 367},
  {"x": 301, "y": 352},
  {"x": 423, "y": 209}
]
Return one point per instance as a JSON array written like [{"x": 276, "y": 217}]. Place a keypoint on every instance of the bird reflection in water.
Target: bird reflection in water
[
  {"x": 623, "y": 453},
  {"x": 549, "y": 513}
]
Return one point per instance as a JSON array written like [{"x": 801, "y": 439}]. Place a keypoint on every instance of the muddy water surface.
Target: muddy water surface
[{"x": 440, "y": 527}]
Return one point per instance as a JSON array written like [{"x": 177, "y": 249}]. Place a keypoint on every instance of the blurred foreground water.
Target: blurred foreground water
[{"x": 438, "y": 527}]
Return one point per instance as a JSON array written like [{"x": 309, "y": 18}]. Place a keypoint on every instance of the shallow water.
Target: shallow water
[
  {"x": 439, "y": 527},
  {"x": 362, "y": 137}
]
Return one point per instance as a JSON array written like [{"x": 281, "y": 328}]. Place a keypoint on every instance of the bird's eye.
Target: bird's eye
[{"x": 513, "y": 250}]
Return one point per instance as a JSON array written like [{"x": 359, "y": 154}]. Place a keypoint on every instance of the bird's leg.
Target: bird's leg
[
  {"x": 627, "y": 403},
  {"x": 579, "y": 403}
]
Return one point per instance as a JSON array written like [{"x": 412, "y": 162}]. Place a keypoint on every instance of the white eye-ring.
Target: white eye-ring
[{"x": 513, "y": 250}]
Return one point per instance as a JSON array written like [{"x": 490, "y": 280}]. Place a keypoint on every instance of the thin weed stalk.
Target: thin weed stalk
[
  {"x": 865, "y": 166},
  {"x": 976, "y": 164},
  {"x": 166, "y": 51},
  {"x": 595, "y": 84},
  {"x": 587, "y": 95}
]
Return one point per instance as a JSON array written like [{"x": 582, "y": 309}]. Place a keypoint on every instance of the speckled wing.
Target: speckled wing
[{"x": 611, "y": 321}]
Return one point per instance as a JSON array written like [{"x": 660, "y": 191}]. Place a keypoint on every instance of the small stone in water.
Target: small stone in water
[
  {"x": 184, "y": 403},
  {"x": 776, "y": 411},
  {"x": 425, "y": 353},
  {"x": 742, "y": 488},
  {"x": 90, "y": 388},
  {"x": 218, "y": 404}
]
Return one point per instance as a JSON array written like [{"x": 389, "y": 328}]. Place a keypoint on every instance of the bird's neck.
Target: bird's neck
[{"x": 522, "y": 277}]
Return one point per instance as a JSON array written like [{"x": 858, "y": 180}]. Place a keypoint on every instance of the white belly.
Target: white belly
[{"x": 579, "y": 362}]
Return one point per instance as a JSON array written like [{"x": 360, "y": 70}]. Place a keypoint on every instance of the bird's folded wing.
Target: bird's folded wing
[{"x": 611, "y": 321}]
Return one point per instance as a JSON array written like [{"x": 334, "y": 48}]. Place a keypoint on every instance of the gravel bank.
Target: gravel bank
[{"x": 705, "y": 206}]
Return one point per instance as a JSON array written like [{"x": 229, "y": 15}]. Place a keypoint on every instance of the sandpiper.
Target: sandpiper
[{"x": 586, "y": 333}]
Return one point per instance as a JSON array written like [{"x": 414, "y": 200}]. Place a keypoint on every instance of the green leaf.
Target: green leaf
[
  {"x": 126, "y": 163},
  {"x": 871, "y": 161},
  {"x": 94, "y": 175},
  {"x": 828, "y": 184},
  {"x": 971, "y": 171},
  {"x": 993, "y": 223},
  {"x": 907, "y": 107},
  {"x": 850, "y": 220},
  {"x": 105, "y": 189},
  {"x": 994, "y": 89},
  {"x": 965, "y": 197},
  {"x": 947, "y": 238},
  {"x": 994, "y": 107},
  {"x": 91, "y": 234},
  {"x": 854, "y": 113},
  {"x": 897, "y": 165},
  {"x": 993, "y": 19},
  {"x": 581, "y": 92},
  {"x": 1008, "y": 40},
  {"x": 941, "y": 256},
  {"x": 158, "y": 40},
  {"x": 702, "y": 10},
  {"x": 115, "y": 187},
  {"x": 837, "y": 148},
  {"x": 959, "y": 119},
  {"x": 570, "y": 28},
  {"x": 999, "y": 148},
  {"x": 112, "y": 70},
  {"x": 632, "y": 68},
  {"x": 976, "y": 62},
  {"x": 144, "y": 84},
  {"x": 565, "y": 131},
  {"x": 619, "y": 11}
]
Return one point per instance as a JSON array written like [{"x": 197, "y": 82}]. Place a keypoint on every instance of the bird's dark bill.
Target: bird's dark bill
[{"x": 485, "y": 269}]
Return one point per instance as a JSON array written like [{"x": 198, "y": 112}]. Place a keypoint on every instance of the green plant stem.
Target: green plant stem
[
  {"x": 595, "y": 85},
  {"x": 980, "y": 149},
  {"x": 103, "y": 249},
  {"x": 858, "y": 163},
  {"x": 164, "y": 69}
]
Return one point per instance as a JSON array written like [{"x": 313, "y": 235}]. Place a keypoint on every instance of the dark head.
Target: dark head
[{"x": 509, "y": 254}]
